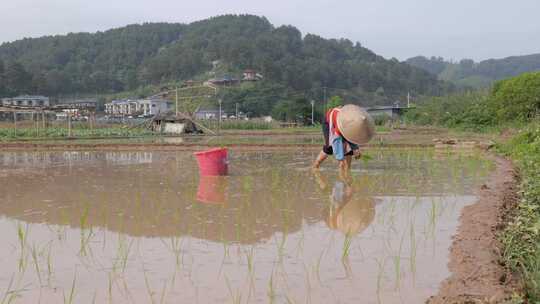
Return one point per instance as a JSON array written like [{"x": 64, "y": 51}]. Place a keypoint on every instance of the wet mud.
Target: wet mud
[{"x": 478, "y": 276}]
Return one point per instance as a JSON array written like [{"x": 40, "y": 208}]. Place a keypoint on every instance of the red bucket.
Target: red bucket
[{"x": 213, "y": 162}]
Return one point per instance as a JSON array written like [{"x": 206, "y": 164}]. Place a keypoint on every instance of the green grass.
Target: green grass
[
  {"x": 7, "y": 134},
  {"x": 521, "y": 239},
  {"x": 239, "y": 125}
]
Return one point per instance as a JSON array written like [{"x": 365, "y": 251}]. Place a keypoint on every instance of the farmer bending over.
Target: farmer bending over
[{"x": 343, "y": 129}]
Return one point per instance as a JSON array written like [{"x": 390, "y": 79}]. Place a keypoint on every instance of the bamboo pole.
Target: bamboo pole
[
  {"x": 15, "y": 122},
  {"x": 69, "y": 124}
]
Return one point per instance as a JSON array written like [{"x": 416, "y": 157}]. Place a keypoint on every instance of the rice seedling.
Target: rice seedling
[
  {"x": 236, "y": 297},
  {"x": 110, "y": 287},
  {"x": 346, "y": 246},
  {"x": 249, "y": 257},
  {"x": 148, "y": 288},
  {"x": 432, "y": 216},
  {"x": 289, "y": 300},
  {"x": 163, "y": 290},
  {"x": 412, "y": 260},
  {"x": 22, "y": 235},
  {"x": 300, "y": 246},
  {"x": 123, "y": 251},
  {"x": 380, "y": 274},
  {"x": 271, "y": 291},
  {"x": 397, "y": 263},
  {"x": 71, "y": 297},
  {"x": 176, "y": 248},
  {"x": 9, "y": 295},
  {"x": 308, "y": 284},
  {"x": 317, "y": 267},
  {"x": 49, "y": 264},
  {"x": 34, "y": 253},
  {"x": 86, "y": 234}
]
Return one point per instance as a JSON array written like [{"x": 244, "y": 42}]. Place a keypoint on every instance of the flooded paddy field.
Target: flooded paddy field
[{"x": 143, "y": 227}]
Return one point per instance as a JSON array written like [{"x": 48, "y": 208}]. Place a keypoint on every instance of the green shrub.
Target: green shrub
[
  {"x": 518, "y": 97},
  {"x": 471, "y": 111},
  {"x": 58, "y": 132},
  {"x": 381, "y": 120},
  {"x": 514, "y": 100},
  {"x": 238, "y": 124},
  {"x": 521, "y": 239}
]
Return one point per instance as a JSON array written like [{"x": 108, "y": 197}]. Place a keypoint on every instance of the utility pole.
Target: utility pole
[
  {"x": 408, "y": 99},
  {"x": 69, "y": 124},
  {"x": 312, "y": 112},
  {"x": 237, "y": 111},
  {"x": 176, "y": 101},
  {"x": 15, "y": 122},
  {"x": 219, "y": 126},
  {"x": 324, "y": 98}
]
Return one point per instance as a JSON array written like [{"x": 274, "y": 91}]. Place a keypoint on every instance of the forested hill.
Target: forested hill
[
  {"x": 477, "y": 74},
  {"x": 157, "y": 53}
]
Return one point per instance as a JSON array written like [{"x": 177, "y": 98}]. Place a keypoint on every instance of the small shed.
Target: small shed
[
  {"x": 393, "y": 112},
  {"x": 172, "y": 124}
]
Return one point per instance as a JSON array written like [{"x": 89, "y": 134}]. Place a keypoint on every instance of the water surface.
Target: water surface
[{"x": 143, "y": 227}]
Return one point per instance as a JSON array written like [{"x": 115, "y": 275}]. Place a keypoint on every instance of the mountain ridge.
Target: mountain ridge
[
  {"x": 469, "y": 73},
  {"x": 138, "y": 55}
]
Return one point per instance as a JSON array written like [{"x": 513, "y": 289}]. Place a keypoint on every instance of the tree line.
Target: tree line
[
  {"x": 136, "y": 56},
  {"x": 509, "y": 101},
  {"x": 468, "y": 73}
]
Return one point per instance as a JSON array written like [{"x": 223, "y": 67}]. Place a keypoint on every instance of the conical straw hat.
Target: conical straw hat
[{"x": 355, "y": 124}]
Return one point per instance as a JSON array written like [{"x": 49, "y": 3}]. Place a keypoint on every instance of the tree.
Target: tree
[
  {"x": 518, "y": 97},
  {"x": 39, "y": 84},
  {"x": 17, "y": 79},
  {"x": 297, "y": 110},
  {"x": 2, "y": 79},
  {"x": 136, "y": 56},
  {"x": 334, "y": 101}
]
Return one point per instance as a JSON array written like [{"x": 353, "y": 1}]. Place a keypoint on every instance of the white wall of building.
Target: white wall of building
[{"x": 138, "y": 107}]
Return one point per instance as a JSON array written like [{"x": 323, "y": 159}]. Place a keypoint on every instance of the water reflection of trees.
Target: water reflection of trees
[
  {"x": 160, "y": 200},
  {"x": 46, "y": 159}
]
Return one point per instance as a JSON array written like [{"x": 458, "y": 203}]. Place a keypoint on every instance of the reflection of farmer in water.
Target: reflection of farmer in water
[
  {"x": 347, "y": 213},
  {"x": 344, "y": 128}
]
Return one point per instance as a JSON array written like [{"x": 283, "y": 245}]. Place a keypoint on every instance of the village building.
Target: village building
[
  {"x": 251, "y": 75},
  {"x": 393, "y": 112},
  {"x": 27, "y": 101},
  {"x": 190, "y": 83},
  {"x": 206, "y": 114},
  {"x": 75, "y": 107},
  {"x": 146, "y": 107},
  {"x": 223, "y": 81}
]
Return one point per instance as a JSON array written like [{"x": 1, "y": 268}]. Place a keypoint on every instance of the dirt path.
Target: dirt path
[{"x": 477, "y": 276}]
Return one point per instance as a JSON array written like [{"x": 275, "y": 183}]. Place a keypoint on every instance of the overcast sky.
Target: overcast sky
[{"x": 456, "y": 29}]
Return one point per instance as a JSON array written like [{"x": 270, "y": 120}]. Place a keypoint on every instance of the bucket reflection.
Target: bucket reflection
[{"x": 212, "y": 190}]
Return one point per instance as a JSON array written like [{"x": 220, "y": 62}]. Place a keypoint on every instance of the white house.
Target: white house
[
  {"x": 27, "y": 101},
  {"x": 138, "y": 107},
  {"x": 251, "y": 75}
]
